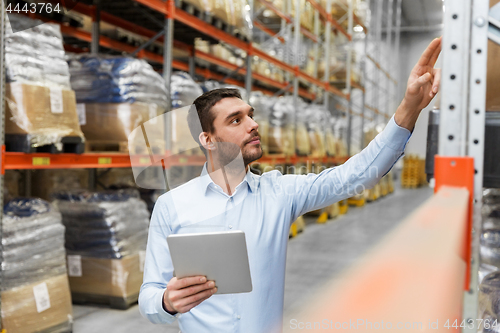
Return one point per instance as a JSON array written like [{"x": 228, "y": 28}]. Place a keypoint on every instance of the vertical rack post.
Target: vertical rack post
[
  {"x": 296, "y": 49},
  {"x": 350, "y": 30},
  {"x": 167, "y": 72},
  {"x": 96, "y": 20},
  {"x": 464, "y": 51},
  {"x": 328, "y": 32},
  {"x": 248, "y": 59},
  {"x": 475, "y": 141},
  {"x": 365, "y": 74},
  {"x": 389, "y": 58},
  {"x": 94, "y": 49},
  {"x": 378, "y": 41},
  {"x": 2, "y": 126},
  {"x": 316, "y": 48},
  {"x": 397, "y": 96}
]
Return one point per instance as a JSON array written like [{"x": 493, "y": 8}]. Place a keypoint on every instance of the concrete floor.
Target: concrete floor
[{"x": 317, "y": 255}]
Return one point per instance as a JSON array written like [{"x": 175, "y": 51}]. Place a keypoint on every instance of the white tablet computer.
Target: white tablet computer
[{"x": 220, "y": 256}]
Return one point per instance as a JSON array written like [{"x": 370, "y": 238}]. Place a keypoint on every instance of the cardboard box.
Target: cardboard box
[
  {"x": 46, "y": 182},
  {"x": 107, "y": 277},
  {"x": 116, "y": 122},
  {"x": 49, "y": 113},
  {"x": 493, "y": 73},
  {"x": 28, "y": 309}
]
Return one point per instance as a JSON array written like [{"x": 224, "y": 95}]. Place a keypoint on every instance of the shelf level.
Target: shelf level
[{"x": 23, "y": 161}]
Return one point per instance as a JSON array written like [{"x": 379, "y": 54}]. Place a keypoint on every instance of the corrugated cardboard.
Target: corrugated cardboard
[
  {"x": 108, "y": 277},
  {"x": 19, "y": 310},
  {"x": 107, "y": 122},
  {"x": 493, "y": 74},
  {"x": 28, "y": 111}
]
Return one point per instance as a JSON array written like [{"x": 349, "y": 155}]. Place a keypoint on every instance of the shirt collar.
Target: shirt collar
[{"x": 250, "y": 179}]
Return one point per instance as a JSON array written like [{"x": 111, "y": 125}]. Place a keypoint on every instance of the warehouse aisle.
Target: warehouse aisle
[{"x": 316, "y": 255}]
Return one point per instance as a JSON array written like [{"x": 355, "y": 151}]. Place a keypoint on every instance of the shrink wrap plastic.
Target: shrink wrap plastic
[
  {"x": 115, "y": 79},
  {"x": 33, "y": 243},
  {"x": 262, "y": 108},
  {"x": 317, "y": 121},
  {"x": 109, "y": 225},
  {"x": 36, "y": 55}
]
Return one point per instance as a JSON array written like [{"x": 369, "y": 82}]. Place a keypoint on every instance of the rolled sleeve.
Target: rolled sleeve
[{"x": 395, "y": 136}]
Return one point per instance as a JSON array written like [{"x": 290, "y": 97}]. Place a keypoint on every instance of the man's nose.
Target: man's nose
[{"x": 253, "y": 125}]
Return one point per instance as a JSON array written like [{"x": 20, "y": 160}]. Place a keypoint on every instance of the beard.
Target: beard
[{"x": 228, "y": 152}]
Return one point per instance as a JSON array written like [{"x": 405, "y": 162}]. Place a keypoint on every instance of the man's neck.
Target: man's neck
[{"x": 227, "y": 177}]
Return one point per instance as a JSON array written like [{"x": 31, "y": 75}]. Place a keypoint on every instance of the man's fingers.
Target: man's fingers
[
  {"x": 435, "y": 55},
  {"x": 192, "y": 305},
  {"x": 195, "y": 298},
  {"x": 424, "y": 79},
  {"x": 192, "y": 290},
  {"x": 176, "y": 284},
  {"x": 429, "y": 52},
  {"x": 436, "y": 82}
]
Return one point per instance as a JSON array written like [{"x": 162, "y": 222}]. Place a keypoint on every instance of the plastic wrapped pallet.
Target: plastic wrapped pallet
[
  {"x": 316, "y": 116},
  {"x": 241, "y": 19},
  {"x": 184, "y": 90},
  {"x": 35, "y": 293},
  {"x": 222, "y": 10},
  {"x": 489, "y": 301},
  {"x": 262, "y": 106},
  {"x": 46, "y": 115},
  {"x": 110, "y": 126},
  {"x": 35, "y": 55},
  {"x": 40, "y": 105},
  {"x": 116, "y": 79},
  {"x": 281, "y": 129},
  {"x": 106, "y": 234}
]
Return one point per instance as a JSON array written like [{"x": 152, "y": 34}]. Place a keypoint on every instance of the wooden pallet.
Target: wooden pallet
[
  {"x": 66, "y": 327},
  {"x": 114, "y": 302},
  {"x": 22, "y": 143}
]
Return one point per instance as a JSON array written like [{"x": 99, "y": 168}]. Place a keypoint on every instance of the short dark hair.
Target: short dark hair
[{"x": 201, "y": 113}]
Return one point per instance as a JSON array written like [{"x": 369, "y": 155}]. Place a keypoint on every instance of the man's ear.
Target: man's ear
[{"x": 206, "y": 141}]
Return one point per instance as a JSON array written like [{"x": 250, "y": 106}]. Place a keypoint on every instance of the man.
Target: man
[{"x": 227, "y": 196}]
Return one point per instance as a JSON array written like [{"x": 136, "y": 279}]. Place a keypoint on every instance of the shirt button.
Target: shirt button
[
  {"x": 238, "y": 316},
  {"x": 230, "y": 227}
]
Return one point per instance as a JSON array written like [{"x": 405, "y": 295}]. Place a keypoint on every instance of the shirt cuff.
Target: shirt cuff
[
  {"x": 395, "y": 136},
  {"x": 167, "y": 317}
]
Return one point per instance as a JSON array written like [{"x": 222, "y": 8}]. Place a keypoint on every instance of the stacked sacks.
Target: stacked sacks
[
  {"x": 106, "y": 235},
  {"x": 489, "y": 275},
  {"x": 316, "y": 116},
  {"x": 117, "y": 95},
  {"x": 262, "y": 107},
  {"x": 41, "y": 106},
  {"x": 183, "y": 93},
  {"x": 35, "y": 291},
  {"x": 115, "y": 79}
]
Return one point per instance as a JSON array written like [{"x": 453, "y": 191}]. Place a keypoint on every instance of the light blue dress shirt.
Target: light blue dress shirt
[{"x": 264, "y": 208}]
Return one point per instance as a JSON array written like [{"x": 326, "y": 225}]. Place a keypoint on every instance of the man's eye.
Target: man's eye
[
  {"x": 235, "y": 121},
  {"x": 251, "y": 116}
]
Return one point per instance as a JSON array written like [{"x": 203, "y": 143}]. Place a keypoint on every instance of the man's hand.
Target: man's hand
[
  {"x": 423, "y": 85},
  {"x": 184, "y": 294}
]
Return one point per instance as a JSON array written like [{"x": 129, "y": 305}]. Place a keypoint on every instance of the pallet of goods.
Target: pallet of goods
[
  {"x": 115, "y": 96},
  {"x": 35, "y": 290},
  {"x": 106, "y": 234},
  {"x": 41, "y": 114}
]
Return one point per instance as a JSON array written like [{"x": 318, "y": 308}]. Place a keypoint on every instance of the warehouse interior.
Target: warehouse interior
[{"x": 94, "y": 130}]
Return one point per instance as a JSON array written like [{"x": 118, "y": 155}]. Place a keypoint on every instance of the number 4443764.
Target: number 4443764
[
  {"x": 33, "y": 8},
  {"x": 471, "y": 323}
]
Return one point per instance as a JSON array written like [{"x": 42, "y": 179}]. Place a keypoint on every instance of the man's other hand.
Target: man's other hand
[
  {"x": 423, "y": 85},
  {"x": 184, "y": 294}
]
